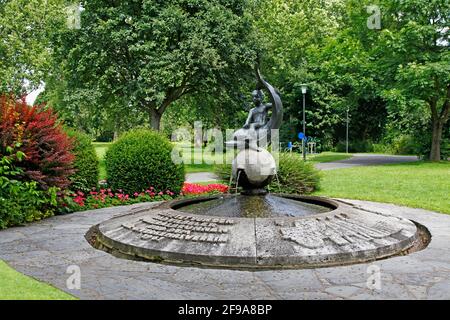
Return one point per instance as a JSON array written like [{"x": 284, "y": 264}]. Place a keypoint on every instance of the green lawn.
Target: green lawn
[
  {"x": 101, "y": 148},
  {"x": 190, "y": 168},
  {"x": 16, "y": 286},
  {"x": 191, "y": 155},
  {"x": 419, "y": 184},
  {"x": 329, "y": 157}
]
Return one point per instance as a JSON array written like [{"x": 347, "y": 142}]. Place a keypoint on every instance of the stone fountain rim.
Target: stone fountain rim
[
  {"x": 334, "y": 206},
  {"x": 175, "y": 252}
]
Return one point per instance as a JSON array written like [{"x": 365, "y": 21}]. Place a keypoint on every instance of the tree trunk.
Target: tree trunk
[
  {"x": 155, "y": 119},
  {"x": 435, "y": 154}
]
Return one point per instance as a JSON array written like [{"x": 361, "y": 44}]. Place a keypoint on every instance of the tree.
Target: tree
[
  {"x": 26, "y": 45},
  {"x": 294, "y": 34},
  {"x": 146, "y": 54},
  {"x": 414, "y": 58}
]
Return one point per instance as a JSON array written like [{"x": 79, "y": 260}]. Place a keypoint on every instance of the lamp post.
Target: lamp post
[
  {"x": 346, "y": 134},
  {"x": 304, "y": 90}
]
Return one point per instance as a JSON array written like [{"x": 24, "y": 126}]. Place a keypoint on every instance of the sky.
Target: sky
[{"x": 31, "y": 97}]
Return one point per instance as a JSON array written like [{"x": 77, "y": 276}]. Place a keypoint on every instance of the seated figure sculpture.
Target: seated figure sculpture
[
  {"x": 254, "y": 167},
  {"x": 247, "y": 136},
  {"x": 257, "y": 116}
]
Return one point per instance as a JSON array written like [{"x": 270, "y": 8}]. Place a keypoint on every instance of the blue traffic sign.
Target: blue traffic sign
[{"x": 301, "y": 136}]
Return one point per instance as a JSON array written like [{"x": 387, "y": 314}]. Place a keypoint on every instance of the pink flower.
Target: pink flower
[{"x": 79, "y": 200}]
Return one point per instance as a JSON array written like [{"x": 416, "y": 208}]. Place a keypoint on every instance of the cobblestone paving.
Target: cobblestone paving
[{"x": 44, "y": 250}]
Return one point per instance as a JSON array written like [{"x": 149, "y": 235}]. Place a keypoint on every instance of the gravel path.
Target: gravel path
[{"x": 45, "y": 250}]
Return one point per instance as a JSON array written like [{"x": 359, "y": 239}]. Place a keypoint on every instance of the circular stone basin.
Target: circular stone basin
[
  {"x": 265, "y": 206},
  {"x": 253, "y": 232}
]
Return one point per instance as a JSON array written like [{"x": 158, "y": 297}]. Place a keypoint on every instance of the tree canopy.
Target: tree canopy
[
  {"x": 131, "y": 62},
  {"x": 26, "y": 46},
  {"x": 147, "y": 54}
]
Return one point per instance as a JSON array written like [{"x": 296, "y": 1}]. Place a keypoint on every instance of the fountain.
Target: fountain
[{"x": 256, "y": 229}]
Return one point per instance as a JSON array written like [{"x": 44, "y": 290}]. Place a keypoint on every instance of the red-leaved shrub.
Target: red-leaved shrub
[{"x": 40, "y": 136}]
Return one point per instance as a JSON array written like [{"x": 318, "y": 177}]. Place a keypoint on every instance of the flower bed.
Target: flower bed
[
  {"x": 198, "y": 189},
  {"x": 103, "y": 198}
]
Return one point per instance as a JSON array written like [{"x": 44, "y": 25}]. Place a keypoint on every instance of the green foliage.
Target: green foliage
[
  {"x": 162, "y": 51},
  {"x": 295, "y": 175},
  {"x": 403, "y": 144},
  {"x": 26, "y": 27},
  {"x": 355, "y": 146},
  {"x": 141, "y": 159},
  {"x": 86, "y": 162},
  {"x": 414, "y": 64},
  {"x": 21, "y": 202}
]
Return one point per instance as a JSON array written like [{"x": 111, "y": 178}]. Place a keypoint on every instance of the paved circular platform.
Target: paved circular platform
[
  {"x": 45, "y": 250},
  {"x": 343, "y": 235}
]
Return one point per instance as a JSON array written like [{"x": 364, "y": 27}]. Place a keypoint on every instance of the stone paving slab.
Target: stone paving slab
[{"x": 45, "y": 249}]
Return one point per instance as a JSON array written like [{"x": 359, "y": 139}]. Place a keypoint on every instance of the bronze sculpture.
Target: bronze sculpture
[
  {"x": 256, "y": 132},
  {"x": 254, "y": 167}
]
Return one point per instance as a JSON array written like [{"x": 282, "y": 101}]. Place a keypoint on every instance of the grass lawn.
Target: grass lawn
[
  {"x": 101, "y": 148},
  {"x": 322, "y": 157},
  {"x": 190, "y": 155},
  {"x": 193, "y": 168},
  {"x": 329, "y": 157},
  {"x": 418, "y": 184},
  {"x": 16, "y": 286}
]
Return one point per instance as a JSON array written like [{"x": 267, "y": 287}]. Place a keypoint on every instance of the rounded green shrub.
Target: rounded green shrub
[
  {"x": 86, "y": 162},
  {"x": 141, "y": 159},
  {"x": 294, "y": 175}
]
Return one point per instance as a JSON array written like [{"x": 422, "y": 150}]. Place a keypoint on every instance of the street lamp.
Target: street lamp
[
  {"x": 346, "y": 139},
  {"x": 304, "y": 90}
]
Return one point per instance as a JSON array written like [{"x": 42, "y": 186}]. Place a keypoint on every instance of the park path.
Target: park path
[
  {"x": 201, "y": 177},
  {"x": 45, "y": 250},
  {"x": 358, "y": 159},
  {"x": 364, "y": 159}
]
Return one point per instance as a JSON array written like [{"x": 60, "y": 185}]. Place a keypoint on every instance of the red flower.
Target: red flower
[{"x": 191, "y": 188}]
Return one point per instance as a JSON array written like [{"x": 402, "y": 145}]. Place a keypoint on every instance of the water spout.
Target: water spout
[
  {"x": 237, "y": 180},
  {"x": 278, "y": 181}
]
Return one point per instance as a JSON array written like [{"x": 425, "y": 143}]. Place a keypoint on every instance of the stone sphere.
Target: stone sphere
[{"x": 257, "y": 168}]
